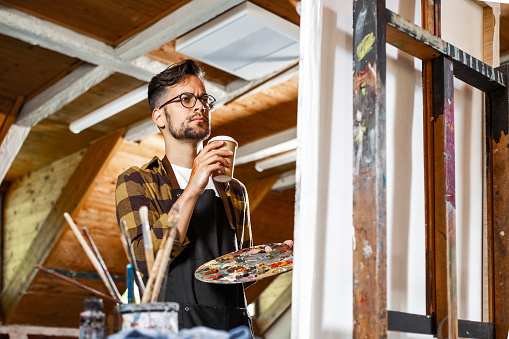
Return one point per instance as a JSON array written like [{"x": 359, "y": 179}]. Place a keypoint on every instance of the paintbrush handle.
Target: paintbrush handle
[
  {"x": 161, "y": 258},
  {"x": 75, "y": 283},
  {"x": 164, "y": 264},
  {"x": 149, "y": 257},
  {"x": 147, "y": 239},
  {"x": 153, "y": 273},
  {"x": 102, "y": 263},
  {"x": 89, "y": 253},
  {"x": 132, "y": 258}
]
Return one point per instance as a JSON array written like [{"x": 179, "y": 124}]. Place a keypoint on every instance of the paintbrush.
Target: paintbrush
[
  {"x": 131, "y": 257},
  {"x": 75, "y": 283},
  {"x": 130, "y": 284},
  {"x": 153, "y": 273},
  {"x": 101, "y": 262},
  {"x": 162, "y": 259},
  {"x": 147, "y": 239},
  {"x": 89, "y": 253}
]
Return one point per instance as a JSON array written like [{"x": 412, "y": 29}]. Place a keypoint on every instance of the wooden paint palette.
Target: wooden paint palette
[{"x": 248, "y": 264}]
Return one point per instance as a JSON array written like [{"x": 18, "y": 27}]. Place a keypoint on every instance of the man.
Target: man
[{"x": 214, "y": 218}]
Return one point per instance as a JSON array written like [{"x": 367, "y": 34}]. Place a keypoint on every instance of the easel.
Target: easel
[{"x": 374, "y": 25}]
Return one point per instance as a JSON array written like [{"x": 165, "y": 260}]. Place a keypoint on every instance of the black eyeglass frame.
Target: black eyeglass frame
[{"x": 195, "y": 100}]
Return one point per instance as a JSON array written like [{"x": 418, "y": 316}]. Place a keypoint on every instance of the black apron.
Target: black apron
[{"x": 204, "y": 304}]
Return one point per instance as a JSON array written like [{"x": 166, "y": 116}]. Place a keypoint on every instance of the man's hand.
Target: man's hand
[
  {"x": 288, "y": 243},
  {"x": 209, "y": 160}
]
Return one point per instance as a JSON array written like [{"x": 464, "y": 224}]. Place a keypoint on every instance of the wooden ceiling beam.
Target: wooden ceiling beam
[
  {"x": 7, "y": 120},
  {"x": 74, "y": 194},
  {"x": 10, "y": 147},
  {"x": 61, "y": 93},
  {"x": 45, "y": 104},
  {"x": 35, "y": 31},
  {"x": 257, "y": 190}
]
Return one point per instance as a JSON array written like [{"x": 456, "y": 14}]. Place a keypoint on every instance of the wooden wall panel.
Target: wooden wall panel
[
  {"x": 70, "y": 200},
  {"x": 97, "y": 213},
  {"x": 28, "y": 203}
]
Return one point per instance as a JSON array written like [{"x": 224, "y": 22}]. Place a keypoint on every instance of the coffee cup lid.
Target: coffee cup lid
[{"x": 222, "y": 137}]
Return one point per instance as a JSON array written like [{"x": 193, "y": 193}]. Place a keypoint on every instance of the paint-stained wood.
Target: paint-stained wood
[
  {"x": 466, "y": 68},
  {"x": 445, "y": 196},
  {"x": 497, "y": 139},
  {"x": 71, "y": 199},
  {"x": 487, "y": 277},
  {"x": 430, "y": 22},
  {"x": 369, "y": 171}
]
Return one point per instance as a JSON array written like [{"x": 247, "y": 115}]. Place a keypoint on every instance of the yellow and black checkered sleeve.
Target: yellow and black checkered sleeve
[{"x": 136, "y": 189}]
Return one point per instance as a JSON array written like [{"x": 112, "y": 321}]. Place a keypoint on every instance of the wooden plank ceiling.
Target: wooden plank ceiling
[
  {"x": 60, "y": 60},
  {"x": 41, "y": 158}
]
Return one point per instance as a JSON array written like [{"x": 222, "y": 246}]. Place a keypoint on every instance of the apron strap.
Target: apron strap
[
  {"x": 175, "y": 185},
  {"x": 171, "y": 175},
  {"x": 226, "y": 204}
]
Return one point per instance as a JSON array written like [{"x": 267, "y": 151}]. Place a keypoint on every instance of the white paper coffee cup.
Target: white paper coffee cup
[{"x": 231, "y": 145}]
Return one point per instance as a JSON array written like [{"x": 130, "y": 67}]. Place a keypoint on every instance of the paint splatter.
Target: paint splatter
[
  {"x": 367, "y": 249},
  {"x": 248, "y": 264},
  {"x": 365, "y": 45}
]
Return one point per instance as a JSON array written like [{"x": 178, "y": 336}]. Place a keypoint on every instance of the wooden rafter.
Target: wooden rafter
[
  {"x": 279, "y": 297},
  {"x": 74, "y": 194},
  {"x": 258, "y": 190},
  {"x": 61, "y": 93},
  {"x": 7, "y": 120}
]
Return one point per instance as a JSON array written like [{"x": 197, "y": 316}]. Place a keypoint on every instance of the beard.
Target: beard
[{"x": 184, "y": 131}]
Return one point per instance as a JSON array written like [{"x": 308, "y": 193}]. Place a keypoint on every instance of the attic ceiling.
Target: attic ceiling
[{"x": 59, "y": 61}]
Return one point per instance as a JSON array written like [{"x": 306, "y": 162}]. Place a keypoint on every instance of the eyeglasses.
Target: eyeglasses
[{"x": 188, "y": 100}]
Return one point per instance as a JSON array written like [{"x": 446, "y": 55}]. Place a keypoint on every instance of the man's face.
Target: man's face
[{"x": 187, "y": 123}]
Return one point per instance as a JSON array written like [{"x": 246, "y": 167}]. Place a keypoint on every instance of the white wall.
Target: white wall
[{"x": 322, "y": 305}]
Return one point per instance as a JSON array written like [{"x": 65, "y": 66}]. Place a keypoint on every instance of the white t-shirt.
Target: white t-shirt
[{"x": 183, "y": 174}]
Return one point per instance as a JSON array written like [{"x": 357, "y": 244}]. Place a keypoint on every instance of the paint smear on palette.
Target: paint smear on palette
[{"x": 248, "y": 264}]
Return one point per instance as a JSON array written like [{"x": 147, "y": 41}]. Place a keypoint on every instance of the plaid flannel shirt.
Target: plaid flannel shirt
[{"x": 149, "y": 186}]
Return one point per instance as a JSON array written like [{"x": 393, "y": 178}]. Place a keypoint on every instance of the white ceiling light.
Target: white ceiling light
[
  {"x": 278, "y": 160},
  {"x": 108, "y": 110},
  {"x": 267, "y": 147},
  {"x": 285, "y": 181},
  {"x": 247, "y": 41}
]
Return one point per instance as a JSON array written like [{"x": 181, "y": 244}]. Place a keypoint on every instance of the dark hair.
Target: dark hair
[{"x": 171, "y": 76}]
